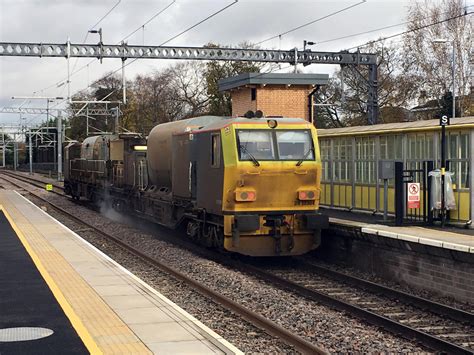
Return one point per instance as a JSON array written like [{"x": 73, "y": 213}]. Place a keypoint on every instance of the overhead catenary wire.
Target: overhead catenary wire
[
  {"x": 149, "y": 20},
  {"x": 200, "y": 22},
  {"x": 73, "y": 72},
  {"x": 373, "y": 30},
  {"x": 95, "y": 25},
  {"x": 412, "y": 30},
  {"x": 165, "y": 42},
  {"x": 131, "y": 33},
  {"x": 84, "y": 41},
  {"x": 77, "y": 59},
  {"x": 381, "y": 39},
  {"x": 159, "y": 12},
  {"x": 107, "y": 14},
  {"x": 311, "y": 22}
]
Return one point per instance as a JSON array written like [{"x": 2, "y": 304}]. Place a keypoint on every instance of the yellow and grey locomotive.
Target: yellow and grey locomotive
[{"x": 250, "y": 186}]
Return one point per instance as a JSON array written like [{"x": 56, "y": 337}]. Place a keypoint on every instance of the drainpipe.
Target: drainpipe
[{"x": 310, "y": 103}]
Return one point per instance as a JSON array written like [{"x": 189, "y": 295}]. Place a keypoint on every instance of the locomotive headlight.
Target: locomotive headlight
[
  {"x": 140, "y": 148},
  {"x": 272, "y": 123},
  {"x": 245, "y": 195},
  {"x": 307, "y": 195}
]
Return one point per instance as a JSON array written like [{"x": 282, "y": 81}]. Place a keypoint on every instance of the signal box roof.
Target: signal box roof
[{"x": 272, "y": 79}]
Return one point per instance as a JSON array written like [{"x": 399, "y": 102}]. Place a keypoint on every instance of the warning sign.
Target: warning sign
[{"x": 413, "y": 189}]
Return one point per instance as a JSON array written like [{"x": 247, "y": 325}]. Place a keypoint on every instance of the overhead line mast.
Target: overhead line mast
[{"x": 68, "y": 50}]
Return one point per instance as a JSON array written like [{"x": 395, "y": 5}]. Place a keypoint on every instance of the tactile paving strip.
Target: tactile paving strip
[{"x": 99, "y": 327}]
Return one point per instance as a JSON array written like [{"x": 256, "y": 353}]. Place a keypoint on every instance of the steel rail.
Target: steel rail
[
  {"x": 393, "y": 326},
  {"x": 256, "y": 319},
  {"x": 30, "y": 180},
  {"x": 419, "y": 302}
]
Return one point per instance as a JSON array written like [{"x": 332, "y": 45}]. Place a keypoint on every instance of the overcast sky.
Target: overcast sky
[{"x": 55, "y": 21}]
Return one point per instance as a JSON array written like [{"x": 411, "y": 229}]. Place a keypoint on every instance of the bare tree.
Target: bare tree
[
  {"x": 155, "y": 100},
  {"x": 188, "y": 83},
  {"x": 429, "y": 62},
  {"x": 347, "y": 91}
]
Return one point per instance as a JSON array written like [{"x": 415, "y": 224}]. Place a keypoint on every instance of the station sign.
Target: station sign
[
  {"x": 413, "y": 196},
  {"x": 444, "y": 121}
]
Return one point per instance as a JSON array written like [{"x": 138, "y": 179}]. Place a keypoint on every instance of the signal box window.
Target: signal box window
[
  {"x": 215, "y": 150},
  {"x": 253, "y": 94}
]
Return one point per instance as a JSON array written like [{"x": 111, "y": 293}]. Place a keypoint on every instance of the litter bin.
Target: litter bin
[{"x": 449, "y": 201}]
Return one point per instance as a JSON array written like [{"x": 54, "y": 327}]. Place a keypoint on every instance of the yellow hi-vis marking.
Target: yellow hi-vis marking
[
  {"x": 49, "y": 187},
  {"x": 81, "y": 330}
]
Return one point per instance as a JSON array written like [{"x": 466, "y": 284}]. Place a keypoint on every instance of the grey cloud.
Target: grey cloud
[{"x": 55, "y": 21}]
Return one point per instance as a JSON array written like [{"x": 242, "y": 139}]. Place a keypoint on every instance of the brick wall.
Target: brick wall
[
  {"x": 444, "y": 272},
  {"x": 242, "y": 101},
  {"x": 283, "y": 101},
  {"x": 273, "y": 100}
]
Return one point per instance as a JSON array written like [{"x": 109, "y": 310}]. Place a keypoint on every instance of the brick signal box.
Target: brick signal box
[{"x": 275, "y": 94}]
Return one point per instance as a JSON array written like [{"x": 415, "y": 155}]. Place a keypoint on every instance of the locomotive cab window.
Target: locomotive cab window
[
  {"x": 255, "y": 144},
  {"x": 295, "y": 145},
  {"x": 264, "y": 145},
  {"x": 215, "y": 150}
]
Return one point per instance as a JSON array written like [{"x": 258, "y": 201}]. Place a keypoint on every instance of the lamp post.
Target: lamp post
[
  {"x": 444, "y": 121},
  {"x": 307, "y": 43}
]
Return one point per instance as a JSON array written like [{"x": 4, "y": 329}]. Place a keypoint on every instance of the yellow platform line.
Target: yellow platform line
[
  {"x": 109, "y": 332},
  {"x": 78, "y": 325}
]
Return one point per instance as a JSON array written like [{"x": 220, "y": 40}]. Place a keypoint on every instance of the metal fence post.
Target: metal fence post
[
  {"x": 399, "y": 196},
  {"x": 60, "y": 145},
  {"x": 429, "y": 166},
  {"x": 30, "y": 149}
]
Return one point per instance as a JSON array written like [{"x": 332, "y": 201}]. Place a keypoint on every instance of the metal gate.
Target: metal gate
[{"x": 403, "y": 177}]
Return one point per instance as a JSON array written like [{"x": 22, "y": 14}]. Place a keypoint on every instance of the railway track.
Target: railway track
[
  {"x": 254, "y": 318},
  {"x": 33, "y": 181},
  {"x": 434, "y": 325}
]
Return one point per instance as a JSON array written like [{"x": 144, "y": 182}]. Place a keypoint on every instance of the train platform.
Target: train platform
[
  {"x": 59, "y": 294},
  {"x": 450, "y": 238}
]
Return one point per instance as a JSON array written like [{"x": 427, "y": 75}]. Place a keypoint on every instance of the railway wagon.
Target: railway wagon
[{"x": 249, "y": 186}]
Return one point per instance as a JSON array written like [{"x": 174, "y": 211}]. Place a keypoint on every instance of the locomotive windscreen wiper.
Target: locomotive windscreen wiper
[
  {"x": 311, "y": 149},
  {"x": 255, "y": 161}
]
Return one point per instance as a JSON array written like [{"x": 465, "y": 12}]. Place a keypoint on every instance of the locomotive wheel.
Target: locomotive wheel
[
  {"x": 213, "y": 237},
  {"x": 193, "y": 230},
  {"x": 210, "y": 236},
  {"x": 207, "y": 235}
]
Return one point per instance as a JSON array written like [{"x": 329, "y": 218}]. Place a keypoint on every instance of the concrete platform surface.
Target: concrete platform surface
[
  {"x": 449, "y": 238},
  {"x": 31, "y": 321},
  {"x": 112, "y": 310}
]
